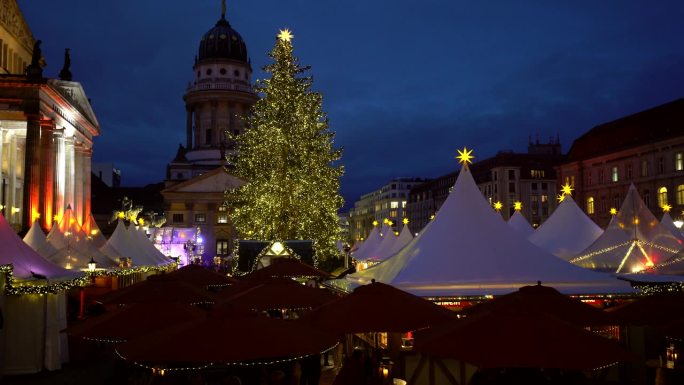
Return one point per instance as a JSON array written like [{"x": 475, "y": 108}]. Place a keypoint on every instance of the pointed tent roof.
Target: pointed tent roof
[
  {"x": 468, "y": 250},
  {"x": 567, "y": 232},
  {"x": 95, "y": 233},
  {"x": 369, "y": 245},
  {"x": 143, "y": 244},
  {"x": 37, "y": 240},
  {"x": 519, "y": 223},
  {"x": 633, "y": 241},
  {"x": 122, "y": 244},
  {"x": 25, "y": 261},
  {"x": 72, "y": 251},
  {"x": 385, "y": 246},
  {"x": 388, "y": 249},
  {"x": 668, "y": 223}
]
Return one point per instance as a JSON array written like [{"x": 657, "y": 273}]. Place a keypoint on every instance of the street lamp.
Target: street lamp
[{"x": 92, "y": 265}]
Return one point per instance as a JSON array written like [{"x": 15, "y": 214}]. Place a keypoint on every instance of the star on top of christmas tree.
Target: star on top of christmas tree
[{"x": 285, "y": 35}]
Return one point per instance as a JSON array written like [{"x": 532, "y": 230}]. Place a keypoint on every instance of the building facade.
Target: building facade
[
  {"x": 215, "y": 102},
  {"x": 47, "y": 128},
  {"x": 646, "y": 149},
  {"x": 529, "y": 178},
  {"x": 388, "y": 202}
]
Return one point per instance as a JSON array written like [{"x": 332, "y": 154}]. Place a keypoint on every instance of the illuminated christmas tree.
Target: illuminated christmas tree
[{"x": 287, "y": 157}]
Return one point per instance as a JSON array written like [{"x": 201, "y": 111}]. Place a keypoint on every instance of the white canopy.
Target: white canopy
[
  {"x": 368, "y": 246},
  {"x": 567, "y": 232},
  {"x": 468, "y": 250},
  {"x": 633, "y": 241},
  {"x": 94, "y": 232},
  {"x": 668, "y": 223},
  {"x": 122, "y": 244},
  {"x": 386, "y": 246},
  {"x": 519, "y": 223},
  {"x": 37, "y": 240},
  {"x": 143, "y": 245}
]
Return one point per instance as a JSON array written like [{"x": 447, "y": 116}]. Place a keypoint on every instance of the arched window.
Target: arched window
[
  {"x": 662, "y": 196},
  {"x": 590, "y": 205},
  {"x": 680, "y": 194}
]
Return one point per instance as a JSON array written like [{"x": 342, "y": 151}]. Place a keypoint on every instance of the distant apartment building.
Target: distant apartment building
[
  {"x": 646, "y": 148},
  {"x": 108, "y": 174},
  {"x": 388, "y": 202},
  {"x": 506, "y": 177}
]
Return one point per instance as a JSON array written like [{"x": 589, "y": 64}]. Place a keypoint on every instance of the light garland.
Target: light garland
[
  {"x": 13, "y": 287},
  {"x": 133, "y": 270}
]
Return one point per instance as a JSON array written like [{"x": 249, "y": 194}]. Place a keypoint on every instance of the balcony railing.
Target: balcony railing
[{"x": 220, "y": 86}]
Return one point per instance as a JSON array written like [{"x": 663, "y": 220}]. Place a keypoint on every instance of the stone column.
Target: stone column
[
  {"x": 198, "y": 124},
  {"x": 31, "y": 194},
  {"x": 69, "y": 172},
  {"x": 214, "y": 129},
  {"x": 13, "y": 200},
  {"x": 3, "y": 197},
  {"x": 87, "y": 171},
  {"x": 78, "y": 182},
  {"x": 188, "y": 127},
  {"x": 47, "y": 169},
  {"x": 60, "y": 173}
]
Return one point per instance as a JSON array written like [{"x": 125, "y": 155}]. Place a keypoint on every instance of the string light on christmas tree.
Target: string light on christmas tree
[{"x": 464, "y": 156}]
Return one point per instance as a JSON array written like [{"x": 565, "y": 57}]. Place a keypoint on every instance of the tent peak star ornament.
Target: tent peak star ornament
[
  {"x": 566, "y": 189},
  {"x": 560, "y": 198},
  {"x": 465, "y": 156},
  {"x": 498, "y": 206},
  {"x": 285, "y": 35},
  {"x": 666, "y": 208},
  {"x": 517, "y": 206},
  {"x": 406, "y": 221},
  {"x": 613, "y": 211}
]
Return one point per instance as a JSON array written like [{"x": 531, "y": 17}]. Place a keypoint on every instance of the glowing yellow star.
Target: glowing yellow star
[
  {"x": 517, "y": 206},
  {"x": 385, "y": 221},
  {"x": 390, "y": 223},
  {"x": 613, "y": 211},
  {"x": 666, "y": 208},
  {"x": 141, "y": 221},
  {"x": 464, "y": 156},
  {"x": 566, "y": 189},
  {"x": 405, "y": 221},
  {"x": 121, "y": 215},
  {"x": 498, "y": 205},
  {"x": 432, "y": 216},
  {"x": 375, "y": 223},
  {"x": 560, "y": 197},
  {"x": 285, "y": 35}
]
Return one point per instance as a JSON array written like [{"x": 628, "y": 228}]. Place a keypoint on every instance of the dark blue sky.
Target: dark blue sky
[{"x": 404, "y": 82}]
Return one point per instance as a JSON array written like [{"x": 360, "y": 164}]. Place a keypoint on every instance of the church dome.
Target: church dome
[{"x": 222, "y": 42}]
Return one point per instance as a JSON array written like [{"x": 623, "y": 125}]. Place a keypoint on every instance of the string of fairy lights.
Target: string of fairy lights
[{"x": 42, "y": 286}]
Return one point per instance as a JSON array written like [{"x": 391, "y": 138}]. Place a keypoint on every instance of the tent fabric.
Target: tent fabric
[
  {"x": 143, "y": 245},
  {"x": 567, "y": 232},
  {"x": 95, "y": 233},
  {"x": 199, "y": 276},
  {"x": 158, "y": 288},
  {"x": 289, "y": 268},
  {"x": 37, "y": 239},
  {"x": 25, "y": 261},
  {"x": 468, "y": 250},
  {"x": 519, "y": 223},
  {"x": 123, "y": 243},
  {"x": 368, "y": 246},
  {"x": 668, "y": 223},
  {"x": 73, "y": 249},
  {"x": 385, "y": 247},
  {"x": 279, "y": 295},
  {"x": 633, "y": 241}
]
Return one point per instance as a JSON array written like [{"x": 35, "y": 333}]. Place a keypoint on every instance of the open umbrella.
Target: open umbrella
[
  {"x": 158, "y": 288},
  {"x": 225, "y": 337},
  {"x": 548, "y": 300},
  {"x": 198, "y": 276},
  {"x": 134, "y": 320},
  {"x": 378, "y": 307},
  {"x": 288, "y": 268},
  {"x": 522, "y": 339},
  {"x": 279, "y": 294}
]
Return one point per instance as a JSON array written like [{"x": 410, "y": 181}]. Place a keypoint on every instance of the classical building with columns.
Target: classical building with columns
[
  {"x": 216, "y": 99},
  {"x": 47, "y": 128}
]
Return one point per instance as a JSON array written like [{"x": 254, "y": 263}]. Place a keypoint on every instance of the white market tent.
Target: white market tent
[
  {"x": 365, "y": 251},
  {"x": 633, "y": 241},
  {"x": 37, "y": 240},
  {"x": 567, "y": 232},
  {"x": 94, "y": 232},
  {"x": 31, "y": 338},
  {"x": 519, "y": 223},
  {"x": 122, "y": 244},
  {"x": 144, "y": 246},
  {"x": 668, "y": 223},
  {"x": 467, "y": 250},
  {"x": 385, "y": 247}
]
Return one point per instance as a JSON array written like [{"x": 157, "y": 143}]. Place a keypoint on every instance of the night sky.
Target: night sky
[{"x": 404, "y": 82}]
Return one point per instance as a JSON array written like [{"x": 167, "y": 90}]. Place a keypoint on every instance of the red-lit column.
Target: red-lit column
[
  {"x": 87, "y": 170},
  {"x": 31, "y": 196},
  {"x": 188, "y": 128},
  {"x": 47, "y": 170}
]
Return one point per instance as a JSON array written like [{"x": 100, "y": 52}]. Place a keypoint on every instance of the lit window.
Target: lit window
[
  {"x": 590, "y": 205},
  {"x": 614, "y": 174},
  {"x": 394, "y": 204},
  {"x": 222, "y": 247},
  {"x": 200, "y": 218},
  {"x": 644, "y": 168},
  {"x": 403, "y": 204},
  {"x": 662, "y": 196},
  {"x": 222, "y": 216},
  {"x": 679, "y": 161},
  {"x": 680, "y": 194}
]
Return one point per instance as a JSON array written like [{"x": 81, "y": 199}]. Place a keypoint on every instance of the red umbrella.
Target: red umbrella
[
  {"x": 548, "y": 300},
  {"x": 378, "y": 307},
  {"x": 287, "y": 268},
  {"x": 134, "y": 320},
  {"x": 227, "y": 337},
  {"x": 653, "y": 310},
  {"x": 523, "y": 339},
  {"x": 199, "y": 276},
  {"x": 278, "y": 294},
  {"x": 158, "y": 288}
]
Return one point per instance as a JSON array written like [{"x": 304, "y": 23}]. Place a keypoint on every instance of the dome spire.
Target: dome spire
[{"x": 223, "y": 9}]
